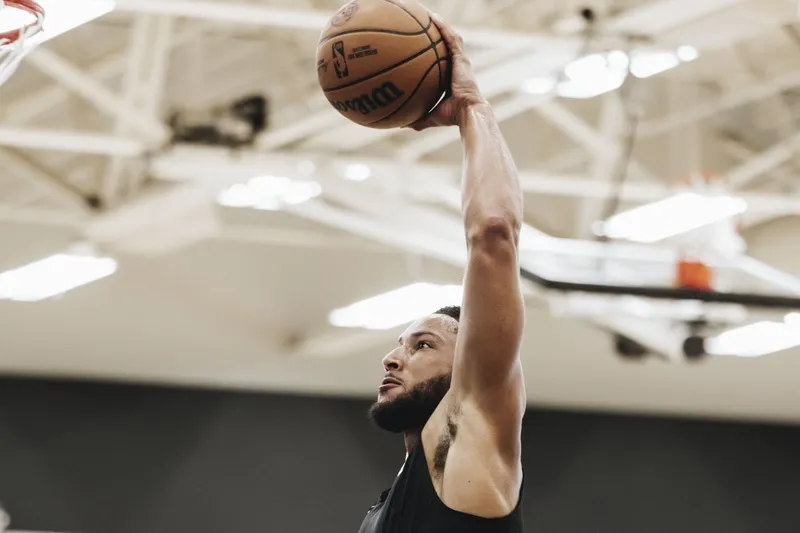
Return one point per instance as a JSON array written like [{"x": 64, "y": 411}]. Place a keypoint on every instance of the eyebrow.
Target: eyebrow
[{"x": 418, "y": 334}]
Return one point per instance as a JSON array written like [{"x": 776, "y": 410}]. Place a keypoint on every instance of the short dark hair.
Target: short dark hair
[{"x": 453, "y": 311}]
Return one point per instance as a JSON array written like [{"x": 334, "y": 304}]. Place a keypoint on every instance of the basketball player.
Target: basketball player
[{"x": 453, "y": 384}]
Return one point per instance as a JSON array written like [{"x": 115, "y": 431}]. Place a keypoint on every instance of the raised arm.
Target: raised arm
[
  {"x": 486, "y": 370},
  {"x": 492, "y": 316}
]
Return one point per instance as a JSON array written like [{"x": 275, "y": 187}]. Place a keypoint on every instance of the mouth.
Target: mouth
[{"x": 388, "y": 383}]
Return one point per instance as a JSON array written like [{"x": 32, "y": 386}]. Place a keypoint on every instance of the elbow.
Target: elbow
[{"x": 494, "y": 233}]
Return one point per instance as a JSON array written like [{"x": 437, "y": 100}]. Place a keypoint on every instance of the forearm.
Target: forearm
[{"x": 491, "y": 192}]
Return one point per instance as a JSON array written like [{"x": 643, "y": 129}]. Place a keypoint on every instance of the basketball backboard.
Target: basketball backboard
[{"x": 585, "y": 278}]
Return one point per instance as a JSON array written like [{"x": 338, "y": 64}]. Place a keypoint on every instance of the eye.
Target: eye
[{"x": 423, "y": 344}]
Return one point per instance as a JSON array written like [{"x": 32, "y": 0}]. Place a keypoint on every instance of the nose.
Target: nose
[{"x": 392, "y": 361}]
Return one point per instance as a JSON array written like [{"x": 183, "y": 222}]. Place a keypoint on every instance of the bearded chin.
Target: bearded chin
[{"x": 410, "y": 410}]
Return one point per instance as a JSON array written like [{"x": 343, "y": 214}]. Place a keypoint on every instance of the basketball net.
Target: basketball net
[
  {"x": 700, "y": 250},
  {"x": 19, "y": 21}
]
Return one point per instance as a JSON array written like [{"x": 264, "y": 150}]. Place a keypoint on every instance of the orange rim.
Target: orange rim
[{"x": 31, "y": 7}]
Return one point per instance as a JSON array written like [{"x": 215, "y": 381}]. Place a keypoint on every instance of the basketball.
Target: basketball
[{"x": 382, "y": 63}]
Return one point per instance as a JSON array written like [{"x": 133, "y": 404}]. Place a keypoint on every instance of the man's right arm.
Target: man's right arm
[{"x": 486, "y": 369}]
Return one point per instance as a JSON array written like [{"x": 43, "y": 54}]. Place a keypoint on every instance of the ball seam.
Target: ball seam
[
  {"x": 371, "y": 30},
  {"x": 425, "y": 29},
  {"x": 411, "y": 96}
]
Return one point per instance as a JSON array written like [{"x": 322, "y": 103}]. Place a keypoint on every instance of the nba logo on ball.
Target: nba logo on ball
[
  {"x": 339, "y": 60},
  {"x": 390, "y": 65}
]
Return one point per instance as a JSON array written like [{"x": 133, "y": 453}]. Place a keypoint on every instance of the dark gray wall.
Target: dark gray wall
[{"x": 106, "y": 458}]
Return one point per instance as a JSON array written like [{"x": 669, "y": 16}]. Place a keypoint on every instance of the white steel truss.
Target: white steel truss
[{"x": 128, "y": 91}]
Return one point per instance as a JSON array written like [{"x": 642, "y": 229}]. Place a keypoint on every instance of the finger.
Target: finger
[
  {"x": 421, "y": 124},
  {"x": 453, "y": 40}
]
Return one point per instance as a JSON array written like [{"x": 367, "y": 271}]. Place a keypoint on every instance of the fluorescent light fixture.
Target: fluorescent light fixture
[
  {"x": 60, "y": 17},
  {"x": 644, "y": 65},
  {"x": 792, "y": 320},
  {"x": 590, "y": 87},
  {"x": 600, "y": 73},
  {"x": 757, "y": 339},
  {"x": 594, "y": 75},
  {"x": 52, "y": 276},
  {"x": 396, "y": 307},
  {"x": 577, "y": 89},
  {"x": 670, "y": 217},
  {"x": 357, "y": 172},
  {"x": 687, "y": 53},
  {"x": 540, "y": 85},
  {"x": 269, "y": 193}
]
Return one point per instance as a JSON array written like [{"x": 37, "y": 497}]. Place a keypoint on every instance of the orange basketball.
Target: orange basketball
[{"x": 382, "y": 63}]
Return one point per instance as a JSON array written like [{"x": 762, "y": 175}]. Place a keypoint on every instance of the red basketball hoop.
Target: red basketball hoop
[
  {"x": 12, "y": 42},
  {"x": 694, "y": 274},
  {"x": 701, "y": 250}
]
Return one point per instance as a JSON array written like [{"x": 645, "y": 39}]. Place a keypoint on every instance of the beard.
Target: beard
[{"x": 411, "y": 409}]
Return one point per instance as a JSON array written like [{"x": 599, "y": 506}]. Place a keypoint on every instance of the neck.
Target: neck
[{"x": 410, "y": 438}]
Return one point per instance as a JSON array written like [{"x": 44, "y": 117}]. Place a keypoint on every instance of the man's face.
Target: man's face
[{"x": 417, "y": 374}]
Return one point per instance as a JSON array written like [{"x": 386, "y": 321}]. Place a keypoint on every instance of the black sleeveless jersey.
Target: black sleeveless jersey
[{"x": 412, "y": 506}]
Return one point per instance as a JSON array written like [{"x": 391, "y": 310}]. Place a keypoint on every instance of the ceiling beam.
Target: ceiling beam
[
  {"x": 764, "y": 162},
  {"x": 44, "y": 217},
  {"x": 406, "y": 225},
  {"x": 413, "y": 180},
  {"x": 47, "y": 183},
  {"x": 133, "y": 79},
  {"x": 296, "y": 238},
  {"x": 430, "y": 141},
  {"x": 585, "y": 135},
  {"x": 604, "y": 164},
  {"x": 71, "y": 141},
  {"x": 158, "y": 221},
  {"x": 313, "y": 20},
  {"x": 752, "y": 167},
  {"x": 225, "y": 169},
  {"x": 659, "y": 16},
  {"x": 96, "y": 94},
  {"x": 743, "y": 153},
  {"x": 35, "y": 103},
  {"x": 650, "y": 19},
  {"x": 149, "y": 49},
  {"x": 657, "y": 336},
  {"x": 556, "y": 49},
  {"x": 719, "y": 104}
]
